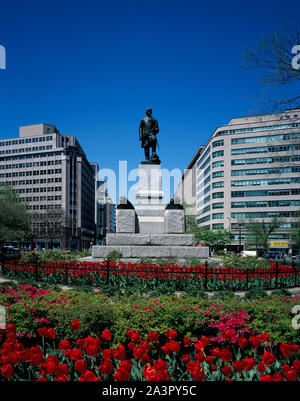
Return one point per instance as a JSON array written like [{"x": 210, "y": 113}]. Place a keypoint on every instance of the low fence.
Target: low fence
[{"x": 145, "y": 276}]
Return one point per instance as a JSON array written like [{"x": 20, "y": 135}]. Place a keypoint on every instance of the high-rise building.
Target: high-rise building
[
  {"x": 249, "y": 170},
  {"x": 54, "y": 177}
]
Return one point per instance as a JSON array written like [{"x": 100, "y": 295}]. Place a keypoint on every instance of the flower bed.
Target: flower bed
[
  {"x": 31, "y": 308},
  {"x": 238, "y": 356},
  {"x": 149, "y": 276}
]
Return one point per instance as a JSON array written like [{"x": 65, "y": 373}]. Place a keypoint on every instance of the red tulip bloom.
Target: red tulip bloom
[
  {"x": 106, "y": 335},
  {"x": 227, "y": 371},
  {"x": 268, "y": 358},
  {"x": 75, "y": 325},
  {"x": 238, "y": 366},
  {"x": 7, "y": 371},
  {"x": 153, "y": 336},
  {"x": 80, "y": 365}
]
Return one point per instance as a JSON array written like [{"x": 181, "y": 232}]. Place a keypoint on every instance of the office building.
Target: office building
[
  {"x": 249, "y": 170},
  {"x": 55, "y": 179}
]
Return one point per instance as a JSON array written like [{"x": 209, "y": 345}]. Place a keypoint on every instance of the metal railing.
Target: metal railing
[{"x": 109, "y": 273}]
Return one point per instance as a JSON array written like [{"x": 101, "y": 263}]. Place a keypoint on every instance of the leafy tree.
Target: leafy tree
[
  {"x": 14, "y": 217},
  {"x": 296, "y": 233},
  {"x": 213, "y": 239},
  {"x": 259, "y": 233},
  {"x": 273, "y": 56}
]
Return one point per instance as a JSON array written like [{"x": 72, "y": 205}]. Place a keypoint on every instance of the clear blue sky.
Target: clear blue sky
[{"x": 92, "y": 67}]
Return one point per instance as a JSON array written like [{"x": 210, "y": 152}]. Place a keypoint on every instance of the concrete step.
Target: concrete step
[
  {"x": 151, "y": 239},
  {"x": 139, "y": 251}
]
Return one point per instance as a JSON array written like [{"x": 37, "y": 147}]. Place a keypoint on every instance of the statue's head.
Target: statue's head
[{"x": 149, "y": 111}]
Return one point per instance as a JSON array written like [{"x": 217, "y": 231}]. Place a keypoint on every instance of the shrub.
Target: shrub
[
  {"x": 282, "y": 292},
  {"x": 91, "y": 311},
  {"x": 223, "y": 295},
  {"x": 255, "y": 293},
  {"x": 114, "y": 256},
  {"x": 193, "y": 261},
  {"x": 10, "y": 284}
]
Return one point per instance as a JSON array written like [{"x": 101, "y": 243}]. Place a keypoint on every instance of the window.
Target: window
[
  {"x": 219, "y": 226},
  {"x": 219, "y": 184},
  {"x": 267, "y": 138},
  {"x": 271, "y": 181},
  {"x": 218, "y": 164},
  {"x": 218, "y": 143},
  {"x": 218, "y": 216},
  {"x": 219, "y": 153},
  {"x": 203, "y": 157},
  {"x": 218, "y": 174},
  {"x": 218, "y": 195},
  {"x": 219, "y": 205},
  {"x": 266, "y": 149}
]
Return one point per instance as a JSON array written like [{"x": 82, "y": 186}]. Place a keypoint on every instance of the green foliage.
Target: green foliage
[
  {"x": 114, "y": 256},
  {"x": 121, "y": 312},
  {"x": 282, "y": 292},
  {"x": 92, "y": 311},
  {"x": 158, "y": 261},
  {"x": 259, "y": 233},
  {"x": 194, "y": 261},
  {"x": 47, "y": 256},
  {"x": 223, "y": 295},
  {"x": 255, "y": 293},
  {"x": 10, "y": 284},
  {"x": 213, "y": 239},
  {"x": 240, "y": 262},
  {"x": 14, "y": 217},
  {"x": 82, "y": 254}
]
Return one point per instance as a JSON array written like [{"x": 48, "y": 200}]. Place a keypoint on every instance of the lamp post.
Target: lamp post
[
  {"x": 230, "y": 231},
  {"x": 240, "y": 221}
]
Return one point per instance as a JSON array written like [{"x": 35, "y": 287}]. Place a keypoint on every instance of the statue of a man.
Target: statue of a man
[{"x": 147, "y": 132}]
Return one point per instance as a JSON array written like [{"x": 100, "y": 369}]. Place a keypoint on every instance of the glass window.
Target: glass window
[
  {"x": 219, "y": 184},
  {"x": 219, "y": 153},
  {"x": 219, "y": 163},
  {"x": 218, "y": 174},
  {"x": 218, "y": 216}
]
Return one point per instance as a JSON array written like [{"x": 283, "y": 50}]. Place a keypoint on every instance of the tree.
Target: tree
[
  {"x": 273, "y": 56},
  {"x": 52, "y": 224},
  {"x": 259, "y": 233},
  {"x": 213, "y": 239},
  {"x": 14, "y": 217},
  {"x": 296, "y": 233}
]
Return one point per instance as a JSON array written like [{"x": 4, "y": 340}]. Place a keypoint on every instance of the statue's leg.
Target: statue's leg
[
  {"x": 146, "y": 153},
  {"x": 154, "y": 147}
]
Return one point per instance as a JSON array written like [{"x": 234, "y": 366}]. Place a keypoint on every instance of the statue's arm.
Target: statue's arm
[
  {"x": 156, "y": 127},
  {"x": 141, "y": 130}
]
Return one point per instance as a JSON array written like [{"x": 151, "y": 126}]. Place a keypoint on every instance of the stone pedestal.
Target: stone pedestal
[
  {"x": 150, "y": 230},
  {"x": 174, "y": 222},
  {"x": 125, "y": 221},
  {"x": 150, "y": 200}
]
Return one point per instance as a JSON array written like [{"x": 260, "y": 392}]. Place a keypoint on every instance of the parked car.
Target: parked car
[
  {"x": 9, "y": 251},
  {"x": 273, "y": 255}
]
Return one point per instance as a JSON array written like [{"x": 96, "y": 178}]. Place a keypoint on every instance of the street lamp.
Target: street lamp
[
  {"x": 240, "y": 222},
  {"x": 229, "y": 218}
]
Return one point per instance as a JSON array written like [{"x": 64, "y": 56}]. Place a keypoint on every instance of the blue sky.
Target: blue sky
[{"x": 92, "y": 67}]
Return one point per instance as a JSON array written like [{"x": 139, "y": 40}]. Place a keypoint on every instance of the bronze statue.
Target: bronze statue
[{"x": 147, "y": 132}]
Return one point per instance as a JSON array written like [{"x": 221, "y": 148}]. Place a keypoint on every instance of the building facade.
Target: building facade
[
  {"x": 249, "y": 170},
  {"x": 55, "y": 179}
]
